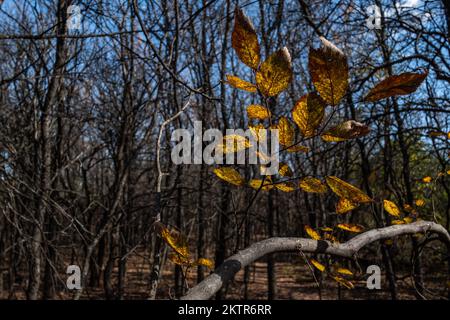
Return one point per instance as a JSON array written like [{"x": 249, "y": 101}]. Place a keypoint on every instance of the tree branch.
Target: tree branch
[{"x": 225, "y": 272}]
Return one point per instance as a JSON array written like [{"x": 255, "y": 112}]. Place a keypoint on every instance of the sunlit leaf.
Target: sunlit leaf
[
  {"x": 427, "y": 179},
  {"x": 205, "y": 262},
  {"x": 286, "y": 132},
  {"x": 178, "y": 259},
  {"x": 397, "y": 221},
  {"x": 344, "y": 282},
  {"x": 350, "y": 227},
  {"x": 285, "y": 186},
  {"x": 230, "y": 175},
  {"x": 284, "y": 170},
  {"x": 297, "y": 148},
  {"x": 275, "y": 73},
  {"x": 345, "y": 205},
  {"x": 244, "y": 40},
  {"x": 347, "y": 130},
  {"x": 314, "y": 185},
  {"x": 344, "y": 271},
  {"x": 259, "y": 132},
  {"x": 329, "y": 72},
  {"x": 255, "y": 111},
  {"x": 176, "y": 241},
  {"x": 346, "y": 190},
  {"x": 312, "y": 233},
  {"x": 326, "y": 229},
  {"x": 397, "y": 85},
  {"x": 408, "y": 220},
  {"x": 256, "y": 184},
  {"x": 317, "y": 265},
  {"x": 308, "y": 113},
  {"x": 233, "y": 143},
  {"x": 330, "y": 237},
  {"x": 238, "y": 83},
  {"x": 391, "y": 208},
  {"x": 420, "y": 202}
]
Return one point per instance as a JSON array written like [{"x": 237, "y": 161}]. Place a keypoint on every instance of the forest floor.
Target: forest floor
[{"x": 295, "y": 281}]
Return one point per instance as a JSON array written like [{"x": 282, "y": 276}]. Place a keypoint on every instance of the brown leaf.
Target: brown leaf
[
  {"x": 308, "y": 113},
  {"x": 347, "y": 130},
  {"x": 397, "y": 85},
  {"x": 329, "y": 72},
  {"x": 244, "y": 40},
  {"x": 275, "y": 73}
]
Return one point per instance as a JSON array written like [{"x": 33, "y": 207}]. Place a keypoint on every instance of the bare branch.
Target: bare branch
[{"x": 224, "y": 273}]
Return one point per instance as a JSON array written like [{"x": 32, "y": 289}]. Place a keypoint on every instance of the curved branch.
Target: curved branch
[{"x": 225, "y": 272}]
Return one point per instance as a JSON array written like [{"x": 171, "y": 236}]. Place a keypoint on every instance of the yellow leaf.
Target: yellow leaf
[
  {"x": 344, "y": 282},
  {"x": 331, "y": 238},
  {"x": 397, "y": 85},
  {"x": 326, "y": 229},
  {"x": 176, "y": 241},
  {"x": 234, "y": 143},
  {"x": 285, "y": 187},
  {"x": 308, "y": 113},
  {"x": 312, "y": 233},
  {"x": 238, "y": 83},
  {"x": 329, "y": 72},
  {"x": 427, "y": 179},
  {"x": 255, "y": 111},
  {"x": 244, "y": 40},
  {"x": 347, "y": 130},
  {"x": 285, "y": 132},
  {"x": 314, "y": 185},
  {"x": 178, "y": 259},
  {"x": 205, "y": 262},
  {"x": 396, "y": 222},
  {"x": 259, "y": 132},
  {"x": 420, "y": 202},
  {"x": 275, "y": 73},
  {"x": 345, "y": 205},
  {"x": 284, "y": 170},
  {"x": 408, "y": 220},
  {"x": 317, "y": 265},
  {"x": 391, "y": 208},
  {"x": 350, "y": 227},
  {"x": 230, "y": 175},
  {"x": 297, "y": 148},
  {"x": 344, "y": 271},
  {"x": 448, "y": 172},
  {"x": 256, "y": 184},
  {"x": 346, "y": 190}
]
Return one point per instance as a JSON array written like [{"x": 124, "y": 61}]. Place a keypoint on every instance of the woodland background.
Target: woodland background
[{"x": 80, "y": 113}]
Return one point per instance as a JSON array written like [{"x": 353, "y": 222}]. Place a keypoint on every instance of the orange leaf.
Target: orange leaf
[{"x": 397, "y": 85}]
